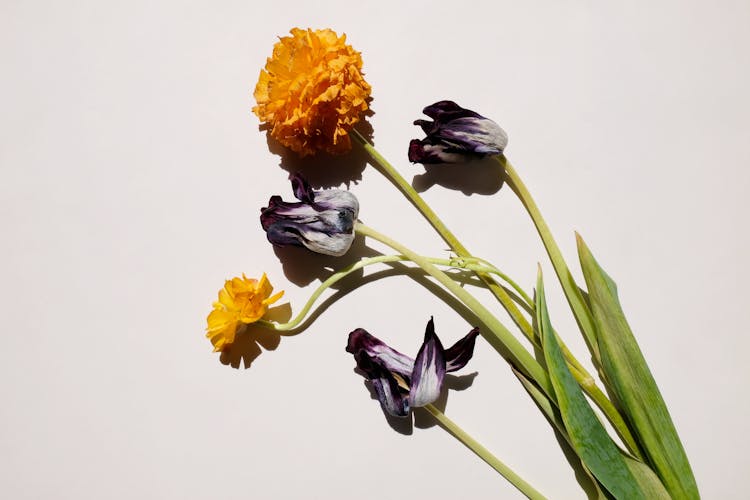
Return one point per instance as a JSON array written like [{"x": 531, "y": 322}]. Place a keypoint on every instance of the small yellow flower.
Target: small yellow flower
[
  {"x": 242, "y": 300},
  {"x": 312, "y": 91}
]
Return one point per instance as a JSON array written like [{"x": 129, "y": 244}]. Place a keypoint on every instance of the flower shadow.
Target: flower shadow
[
  {"x": 324, "y": 170},
  {"x": 302, "y": 267},
  {"x": 483, "y": 176},
  {"x": 419, "y": 417},
  {"x": 250, "y": 338}
]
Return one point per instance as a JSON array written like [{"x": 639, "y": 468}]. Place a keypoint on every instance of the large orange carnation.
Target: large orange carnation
[{"x": 312, "y": 92}]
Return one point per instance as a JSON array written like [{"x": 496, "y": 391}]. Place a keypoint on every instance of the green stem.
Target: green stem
[
  {"x": 483, "y": 453},
  {"x": 572, "y": 292},
  {"x": 498, "y": 336},
  {"x": 462, "y": 263},
  {"x": 520, "y": 291},
  {"x": 390, "y": 172}
]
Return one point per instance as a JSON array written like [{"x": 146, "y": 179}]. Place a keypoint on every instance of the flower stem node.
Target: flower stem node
[
  {"x": 401, "y": 382},
  {"x": 456, "y": 135},
  {"x": 322, "y": 221}
]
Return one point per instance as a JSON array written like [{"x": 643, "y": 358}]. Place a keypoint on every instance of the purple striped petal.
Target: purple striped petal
[
  {"x": 444, "y": 111},
  {"x": 392, "y": 399},
  {"x": 429, "y": 370},
  {"x": 457, "y": 355},
  {"x": 378, "y": 362},
  {"x": 368, "y": 347},
  {"x": 456, "y": 135},
  {"x": 427, "y": 152},
  {"x": 322, "y": 221},
  {"x": 301, "y": 188}
]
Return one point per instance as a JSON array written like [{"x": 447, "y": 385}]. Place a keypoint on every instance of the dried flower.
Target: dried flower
[
  {"x": 312, "y": 92},
  {"x": 401, "y": 382},
  {"x": 456, "y": 135},
  {"x": 322, "y": 221},
  {"x": 241, "y": 301}
]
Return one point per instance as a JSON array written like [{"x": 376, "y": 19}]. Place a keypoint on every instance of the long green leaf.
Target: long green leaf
[
  {"x": 592, "y": 487},
  {"x": 632, "y": 385},
  {"x": 647, "y": 479},
  {"x": 588, "y": 436}
]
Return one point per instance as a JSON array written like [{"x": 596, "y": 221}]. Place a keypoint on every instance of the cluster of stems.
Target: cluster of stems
[{"x": 516, "y": 302}]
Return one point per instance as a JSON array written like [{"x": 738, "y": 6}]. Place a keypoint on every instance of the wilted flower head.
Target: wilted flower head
[
  {"x": 241, "y": 301},
  {"x": 312, "y": 91},
  {"x": 322, "y": 221},
  {"x": 456, "y": 135},
  {"x": 401, "y": 382}
]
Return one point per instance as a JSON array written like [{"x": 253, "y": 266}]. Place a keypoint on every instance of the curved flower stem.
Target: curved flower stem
[
  {"x": 471, "y": 264},
  {"x": 572, "y": 292},
  {"x": 499, "y": 337},
  {"x": 483, "y": 453},
  {"x": 445, "y": 233}
]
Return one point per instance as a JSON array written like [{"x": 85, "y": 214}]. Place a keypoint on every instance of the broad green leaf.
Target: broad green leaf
[
  {"x": 632, "y": 385},
  {"x": 647, "y": 479},
  {"x": 588, "y": 436},
  {"x": 553, "y": 416}
]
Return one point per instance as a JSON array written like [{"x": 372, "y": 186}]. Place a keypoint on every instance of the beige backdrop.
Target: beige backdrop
[{"x": 132, "y": 175}]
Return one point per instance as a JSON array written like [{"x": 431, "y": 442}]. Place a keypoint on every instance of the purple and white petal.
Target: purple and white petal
[
  {"x": 310, "y": 237},
  {"x": 364, "y": 345},
  {"x": 429, "y": 370},
  {"x": 392, "y": 400},
  {"x": 301, "y": 188},
  {"x": 322, "y": 221},
  {"x": 444, "y": 111},
  {"x": 425, "y": 152},
  {"x": 478, "y": 135},
  {"x": 457, "y": 355},
  {"x": 456, "y": 135}
]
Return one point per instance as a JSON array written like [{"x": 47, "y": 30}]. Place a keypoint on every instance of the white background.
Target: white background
[{"x": 132, "y": 175}]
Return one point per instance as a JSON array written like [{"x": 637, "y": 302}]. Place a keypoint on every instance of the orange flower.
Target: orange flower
[
  {"x": 242, "y": 300},
  {"x": 312, "y": 91}
]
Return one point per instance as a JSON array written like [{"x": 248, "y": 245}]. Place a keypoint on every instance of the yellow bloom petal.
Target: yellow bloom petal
[
  {"x": 222, "y": 327},
  {"x": 312, "y": 92},
  {"x": 263, "y": 287},
  {"x": 271, "y": 300},
  {"x": 242, "y": 300}
]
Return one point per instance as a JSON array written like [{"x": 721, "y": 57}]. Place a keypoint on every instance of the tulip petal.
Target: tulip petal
[
  {"x": 426, "y": 152},
  {"x": 322, "y": 221},
  {"x": 429, "y": 370},
  {"x": 302, "y": 189},
  {"x": 307, "y": 235},
  {"x": 392, "y": 400},
  {"x": 367, "y": 347},
  {"x": 457, "y": 355},
  {"x": 456, "y": 135}
]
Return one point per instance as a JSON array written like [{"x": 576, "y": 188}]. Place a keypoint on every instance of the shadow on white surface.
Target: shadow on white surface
[
  {"x": 325, "y": 170},
  {"x": 418, "y": 417},
  {"x": 483, "y": 177}
]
